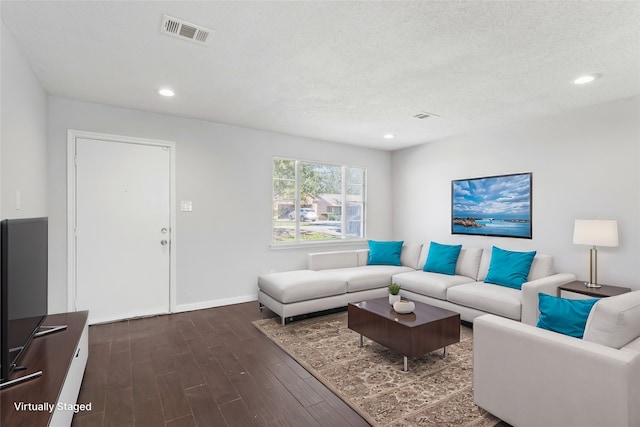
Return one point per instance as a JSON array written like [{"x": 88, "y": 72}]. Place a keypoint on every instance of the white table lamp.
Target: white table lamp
[{"x": 595, "y": 232}]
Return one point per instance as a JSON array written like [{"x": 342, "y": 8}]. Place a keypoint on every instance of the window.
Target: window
[{"x": 317, "y": 201}]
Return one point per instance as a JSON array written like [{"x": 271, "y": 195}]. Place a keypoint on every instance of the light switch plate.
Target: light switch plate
[{"x": 186, "y": 206}]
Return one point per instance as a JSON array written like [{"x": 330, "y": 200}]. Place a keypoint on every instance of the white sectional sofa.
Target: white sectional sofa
[{"x": 333, "y": 279}]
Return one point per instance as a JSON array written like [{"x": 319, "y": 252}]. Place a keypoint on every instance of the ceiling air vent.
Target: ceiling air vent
[
  {"x": 424, "y": 115},
  {"x": 184, "y": 30}
]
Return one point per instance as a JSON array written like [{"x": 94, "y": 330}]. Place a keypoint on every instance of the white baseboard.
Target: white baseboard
[{"x": 215, "y": 303}]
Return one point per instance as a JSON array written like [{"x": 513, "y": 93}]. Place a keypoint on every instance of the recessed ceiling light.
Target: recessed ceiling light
[
  {"x": 389, "y": 136},
  {"x": 166, "y": 92},
  {"x": 585, "y": 79}
]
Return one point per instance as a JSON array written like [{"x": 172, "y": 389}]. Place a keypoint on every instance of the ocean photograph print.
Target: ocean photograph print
[{"x": 492, "y": 206}]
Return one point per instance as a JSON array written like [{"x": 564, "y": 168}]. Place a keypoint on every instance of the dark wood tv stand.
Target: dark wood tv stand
[{"x": 62, "y": 358}]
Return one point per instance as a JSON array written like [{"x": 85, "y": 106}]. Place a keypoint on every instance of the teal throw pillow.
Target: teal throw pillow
[
  {"x": 442, "y": 258},
  {"x": 385, "y": 253},
  {"x": 565, "y": 316},
  {"x": 509, "y": 268}
]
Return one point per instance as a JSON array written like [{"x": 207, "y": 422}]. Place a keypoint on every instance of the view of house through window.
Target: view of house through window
[{"x": 317, "y": 201}]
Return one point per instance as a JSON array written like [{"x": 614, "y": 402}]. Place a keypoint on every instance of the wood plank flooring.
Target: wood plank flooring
[
  {"x": 208, "y": 368},
  {"x": 201, "y": 368}
]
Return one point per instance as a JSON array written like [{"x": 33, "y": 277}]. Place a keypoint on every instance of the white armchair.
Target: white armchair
[{"x": 532, "y": 377}]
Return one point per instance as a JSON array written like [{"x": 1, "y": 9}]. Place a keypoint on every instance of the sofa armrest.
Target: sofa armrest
[
  {"x": 334, "y": 259},
  {"x": 546, "y": 285},
  {"x": 529, "y": 376}
]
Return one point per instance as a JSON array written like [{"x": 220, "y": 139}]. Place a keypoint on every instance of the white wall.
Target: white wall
[
  {"x": 585, "y": 164},
  {"x": 23, "y": 135},
  {"x": 224, "y": 244}
]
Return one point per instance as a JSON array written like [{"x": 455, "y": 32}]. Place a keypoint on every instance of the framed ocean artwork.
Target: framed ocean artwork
[{"x": 492, "y": 206}]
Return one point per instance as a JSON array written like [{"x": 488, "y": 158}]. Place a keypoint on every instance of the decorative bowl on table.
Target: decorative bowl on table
[{"x": 404, "y": 307}]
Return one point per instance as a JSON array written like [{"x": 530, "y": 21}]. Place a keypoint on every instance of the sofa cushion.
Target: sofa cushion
[
  {"x": 542, "y": 266},
  {"x": 410, "y": 255},
  {"x": 366, "y": 277},
  {"x": 469, "y": 262},
  {"x": 384, "y": 253},
  {"x": 434, "y": 285},
  {"x": 614, "y": 321},
  {"x": 483, "y": 269},
  {"x": 565, "y": 316},
  {"x": 363, "y": 257},
  {"x": 467, "y": 265},
  {"x": 300, "y": 285},
  {"x": 509, "y": 268},
  {"x": 633, "y": 345},
  {"x": 334, "y": 259},
  {"x": 487, "y": 297},
  {"x": 442, "y": 258}
]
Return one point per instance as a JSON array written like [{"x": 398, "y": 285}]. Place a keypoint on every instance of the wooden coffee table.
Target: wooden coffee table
[{"x": 428, "y": 328}]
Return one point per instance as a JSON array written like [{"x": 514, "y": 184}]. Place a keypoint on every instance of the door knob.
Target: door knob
[
  {"x": 164, "y": 231},
  {"x": 163, "y": 242}
]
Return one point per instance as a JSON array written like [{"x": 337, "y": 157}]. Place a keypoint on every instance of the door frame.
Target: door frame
[{"x": 72, "y": 135}]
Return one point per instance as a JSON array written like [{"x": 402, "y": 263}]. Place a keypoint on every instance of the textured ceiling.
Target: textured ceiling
[{"x": 340, "y": 71}]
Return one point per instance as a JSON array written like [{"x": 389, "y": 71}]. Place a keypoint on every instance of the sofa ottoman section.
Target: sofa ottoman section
[
  {"x": 294, "y": 286},
  {"x": 278, "y": 290}
]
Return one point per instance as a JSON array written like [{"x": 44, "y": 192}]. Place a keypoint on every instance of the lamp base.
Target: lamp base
[{"x": 592, "y": 285}]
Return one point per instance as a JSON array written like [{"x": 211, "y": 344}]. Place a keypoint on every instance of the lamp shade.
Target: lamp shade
[{"x": 596, "y": 232}]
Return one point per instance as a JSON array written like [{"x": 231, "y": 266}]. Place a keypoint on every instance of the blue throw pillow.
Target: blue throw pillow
[
  {"x": 384, "y": 253},
  {"x": 509, "y": 268},
  {"x": 566, "y": 316},
  {"x": 442, "y": 258}
]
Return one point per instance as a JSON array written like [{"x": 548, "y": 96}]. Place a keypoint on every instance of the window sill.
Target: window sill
[{"x": 316, "y": 244}]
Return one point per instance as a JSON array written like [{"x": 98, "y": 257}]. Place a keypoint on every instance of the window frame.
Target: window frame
[{"x": 344, "y": 237}]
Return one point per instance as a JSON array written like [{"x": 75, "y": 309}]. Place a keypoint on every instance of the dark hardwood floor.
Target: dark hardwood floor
[{"x": 202, "y": 368}]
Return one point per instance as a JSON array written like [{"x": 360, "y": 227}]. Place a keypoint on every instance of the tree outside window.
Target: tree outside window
[{"x": 317, "y": 201}]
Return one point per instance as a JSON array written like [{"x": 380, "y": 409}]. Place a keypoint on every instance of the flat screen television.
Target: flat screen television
[{"x": 23, "y": 287}]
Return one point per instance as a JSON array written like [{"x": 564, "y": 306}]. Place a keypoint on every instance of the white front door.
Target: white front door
[{"x": 123, "y": 233}]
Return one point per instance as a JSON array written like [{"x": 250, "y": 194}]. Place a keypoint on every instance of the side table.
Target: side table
[{"x": 579, "y": 287}]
